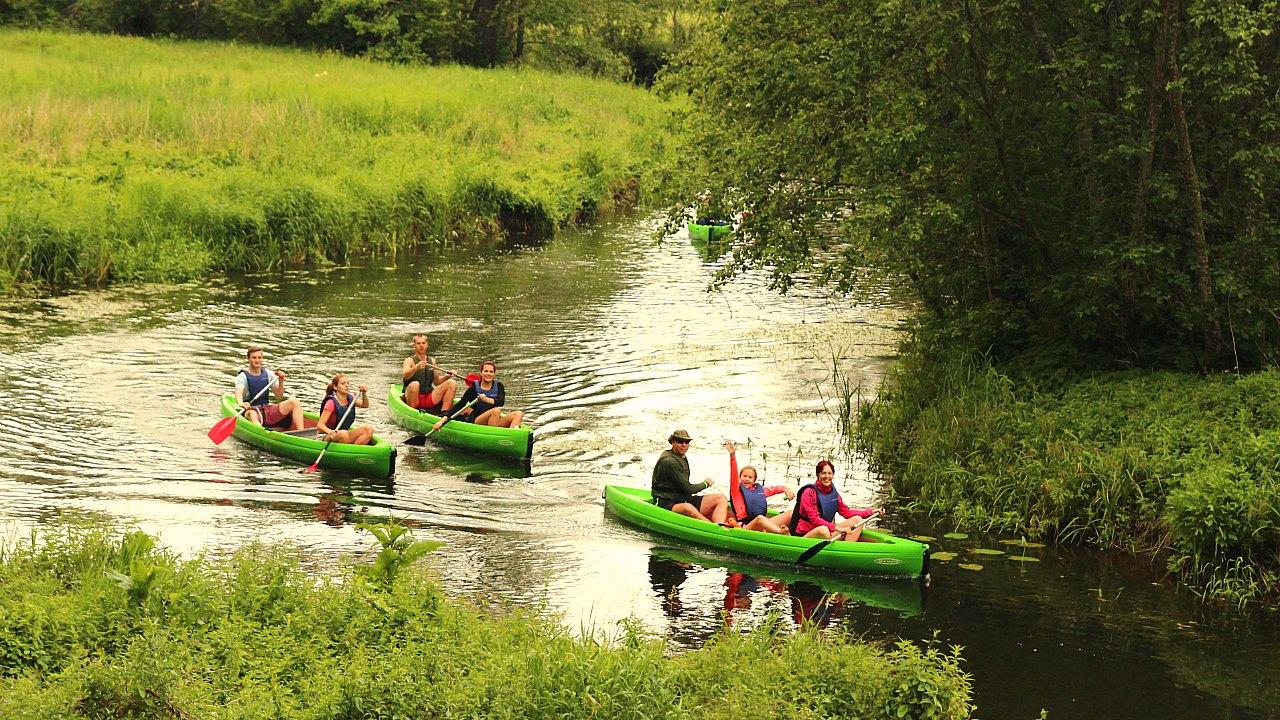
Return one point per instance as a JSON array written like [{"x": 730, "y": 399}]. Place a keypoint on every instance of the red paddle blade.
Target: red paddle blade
[
  {"x": 311, "y": 468},
  {"x": 222, "y": 429},
  {"x": 473, "y": 378}
]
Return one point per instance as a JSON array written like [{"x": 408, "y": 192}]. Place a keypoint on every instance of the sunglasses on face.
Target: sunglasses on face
[{"x": 682, "y": 442}]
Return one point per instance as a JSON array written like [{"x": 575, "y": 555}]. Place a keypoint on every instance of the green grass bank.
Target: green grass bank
[
  {"x": 95, "y": 625},
  {"x": 140, "y": 160},
  {"x": 1184, "y": 467}
]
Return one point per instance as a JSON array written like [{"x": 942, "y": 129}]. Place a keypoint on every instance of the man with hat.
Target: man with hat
[{"x": 672, "y": 490}]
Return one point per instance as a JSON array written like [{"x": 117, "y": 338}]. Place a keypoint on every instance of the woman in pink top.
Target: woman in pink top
[
  {"x": 750, "y": 506},
  {"x": 817, "y": 506}
]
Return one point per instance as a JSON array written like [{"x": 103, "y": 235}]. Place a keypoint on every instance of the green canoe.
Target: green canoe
[
  {"x": 710, "y": 232},
  {"x": 515, "y": 443},
  {"x": 376, "y": 460},
  {"x": 876, "y": 553}
]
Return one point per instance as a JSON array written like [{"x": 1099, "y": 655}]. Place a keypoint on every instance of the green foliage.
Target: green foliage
[
  {"x": 257, "y": 638},
  {"x": 1176, "y": 463},
  {"x": 161, "y": 161},
  {"x": 399, "y": 551},
  {"x": 1077, "y": 180}
]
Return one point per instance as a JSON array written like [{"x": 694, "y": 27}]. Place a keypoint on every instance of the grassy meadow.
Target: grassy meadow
[
  {"x": 137, "y": 160},
  {"x": 98, "y": 625}
]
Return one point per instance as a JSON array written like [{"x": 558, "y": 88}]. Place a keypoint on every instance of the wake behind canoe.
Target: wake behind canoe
[
  {"x": 876, "y": 553},
  {"x": 375, "y": 460}
]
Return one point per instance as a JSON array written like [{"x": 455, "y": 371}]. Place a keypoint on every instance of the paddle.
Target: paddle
[
  {"x": 819, "y": 547},
  {"x": 316, "y": 464},
  {"x": 222, "y": 429},
  {"x": 420, "y": 440}
]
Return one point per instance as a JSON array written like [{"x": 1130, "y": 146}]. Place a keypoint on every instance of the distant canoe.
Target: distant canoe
[
  {"x": 376, "y": 460},
  {"x": 876, "y": 553},
  {"x": 709, "y": 232}
]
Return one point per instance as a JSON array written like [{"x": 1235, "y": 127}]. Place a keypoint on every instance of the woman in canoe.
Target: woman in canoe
[
  {"x": 338, "y": 416},
  {"x": 489, "y": 396},
  {"x": 750, "y": 498},
  {"x": 817, "y": 505}
]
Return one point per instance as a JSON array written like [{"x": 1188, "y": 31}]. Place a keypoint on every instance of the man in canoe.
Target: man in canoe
[
  {"x": 426, "y": 387},
  {"x": 251, "y": 385},
  {"x": 672, "y": 490}
]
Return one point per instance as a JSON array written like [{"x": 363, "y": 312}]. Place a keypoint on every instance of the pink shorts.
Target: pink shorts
[{"x": 271, "y": 415}]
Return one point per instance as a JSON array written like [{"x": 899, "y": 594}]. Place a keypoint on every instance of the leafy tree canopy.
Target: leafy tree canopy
[{"x": 1078, "y": 179}]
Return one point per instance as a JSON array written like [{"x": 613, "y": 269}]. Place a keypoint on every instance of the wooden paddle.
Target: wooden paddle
[
  {"x": 316, "y": 464},
  {"x": 819, "y": 547},
  {"x": 222, "y": 429},
  {"x": 420, "y": 440}
]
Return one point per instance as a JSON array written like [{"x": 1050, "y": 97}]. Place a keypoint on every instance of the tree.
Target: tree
[{"x": 1079, "y": 179}]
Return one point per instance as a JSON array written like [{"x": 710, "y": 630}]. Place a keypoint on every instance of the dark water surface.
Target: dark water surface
[{"x": 608, "y": 344}]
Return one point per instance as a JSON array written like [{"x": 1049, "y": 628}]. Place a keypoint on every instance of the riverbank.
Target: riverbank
[
  {"x": 1179, "y": 466},
  {"x": 96, "y": 625},
  {"x": 136, "y": 160}
]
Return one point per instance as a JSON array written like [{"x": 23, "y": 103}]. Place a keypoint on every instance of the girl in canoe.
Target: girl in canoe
[
  {"x": 817, "y": 504},
  {"x": 489, "y": 396},
  {"x": 750, "y": 499},
  {"x": 338, "y": 416}
]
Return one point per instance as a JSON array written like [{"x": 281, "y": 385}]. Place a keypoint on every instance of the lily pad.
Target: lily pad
[
  {"x": 970, "y": 566},
  {"x": 1022, "y": 543},
  {"x": 1023, "y": 558},
  {"x": 956, "y": 536},
  {"x": 923, "y": 538},
  {"x": 943, "y": 556},
  {"x": 986, "y": 551}
]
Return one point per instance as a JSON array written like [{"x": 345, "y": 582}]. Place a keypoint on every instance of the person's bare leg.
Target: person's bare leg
[
  {"x": 514, "y": 419},
  {"x": 411, "y": 393},
  {"x": 293, "y": 409},
  {"x": 689, "y": 511},
  {"x": 442, "y": 394},
  {"x": 764, "y": 524},
  {"x": 819, "y": 532},
  {"x": 487, "y": 417},
  {"x": 715, "y": 507}
]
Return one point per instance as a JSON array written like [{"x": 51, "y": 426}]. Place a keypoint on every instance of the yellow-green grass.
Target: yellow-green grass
[{"x": 130, "y": 159}]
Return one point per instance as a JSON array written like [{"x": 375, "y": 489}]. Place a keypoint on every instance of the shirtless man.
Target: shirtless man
[
  {"x": 426, "y": 387},
  {"x": 250, "y": 383}
]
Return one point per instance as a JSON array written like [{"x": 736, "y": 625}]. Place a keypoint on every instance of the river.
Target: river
[{"x": 608, "y": 343}]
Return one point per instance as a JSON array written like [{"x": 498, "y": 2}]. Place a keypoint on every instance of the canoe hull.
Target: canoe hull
[
  {"x": 877, "y": 554},
  {"x": 377, "y": 460},
  {"x": 512, "y": 443},
  {"x": 708, "y": 233}
]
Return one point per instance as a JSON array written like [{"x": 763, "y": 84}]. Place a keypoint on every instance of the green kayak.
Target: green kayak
[
  {"x": 515, "y": 443},
  {"x": 376, "y": 460},
  {"x": 876, "y": 553},
  {"x": 709, "y": 232}
]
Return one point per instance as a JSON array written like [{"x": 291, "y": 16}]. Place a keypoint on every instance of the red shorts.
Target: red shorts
[
  {"x": 424, "y": 402},
  {"x": 271, "y": 415}
]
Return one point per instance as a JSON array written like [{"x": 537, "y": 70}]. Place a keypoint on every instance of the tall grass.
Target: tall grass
[
  {"x": 128, "y": 159},
  {"x": 251, "y": 636},
  {"x": 1183, "y": 466}
]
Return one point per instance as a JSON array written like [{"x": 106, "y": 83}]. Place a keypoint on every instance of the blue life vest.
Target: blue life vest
[
  {"x": 491, "y": 393},
  {"x": 256, "y": 383},
  {"x": 827, "y": 504},
  {"x": 340, "y": 410},
  {"x": 757, "y": 504}
]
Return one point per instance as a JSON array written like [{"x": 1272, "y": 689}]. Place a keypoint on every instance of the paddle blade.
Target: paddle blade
[
  {"x": 222, "y": 429},
  {"x": 416, "y": 441},
  {"x": 312, "y": 467},
  {"x": 808, "y": 554},
  {"x": 473, "y": 378}
]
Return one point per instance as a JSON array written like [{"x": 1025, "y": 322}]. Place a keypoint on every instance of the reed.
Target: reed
[
  {"x": 1175, "y": 465},
  {"x": 251, "y": 635},
  {"x": 129, "y": 159}
]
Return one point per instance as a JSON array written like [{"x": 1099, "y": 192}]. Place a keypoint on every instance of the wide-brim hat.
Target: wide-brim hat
[{"x": 679, "y": 435}]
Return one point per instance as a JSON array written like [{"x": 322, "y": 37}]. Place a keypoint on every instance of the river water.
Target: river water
[{"x": 608, "y": 343}]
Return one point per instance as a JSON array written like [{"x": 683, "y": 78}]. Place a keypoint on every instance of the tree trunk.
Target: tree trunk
[{"x": 1199, "y": 243}]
